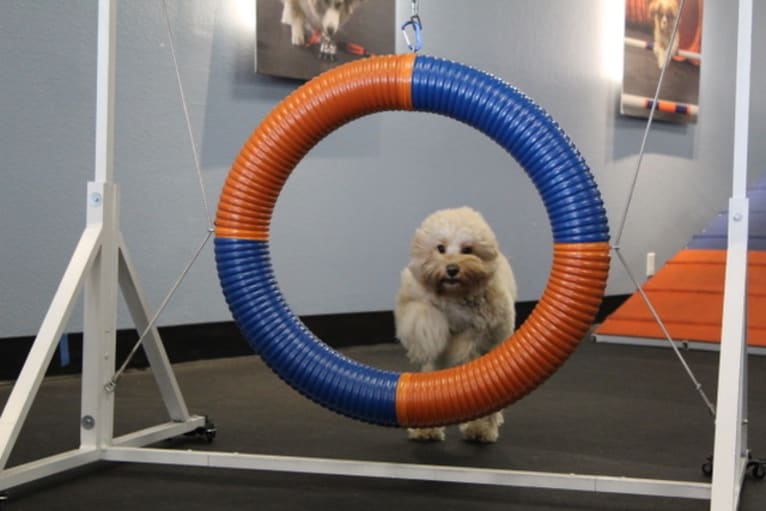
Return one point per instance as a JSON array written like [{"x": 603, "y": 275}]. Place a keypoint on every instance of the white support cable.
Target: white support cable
[
  {"x": 187, "y": 117},
  {"x": 624, "y": 218},
  {"x": 111, "y": 384},
  {"x": 666, "y": 333},
  {"x": 415, "y": 8}
]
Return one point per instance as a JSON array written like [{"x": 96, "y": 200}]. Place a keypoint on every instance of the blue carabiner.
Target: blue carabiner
[{"x": 417, "y": 27}]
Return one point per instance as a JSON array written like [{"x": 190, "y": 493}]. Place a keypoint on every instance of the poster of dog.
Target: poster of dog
[
  {"x": 303, "y": 38},
  {"x": 650, "y": 50}
]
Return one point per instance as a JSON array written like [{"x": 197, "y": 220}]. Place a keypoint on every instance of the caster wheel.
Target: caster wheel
[
  {"x": 208, "y": 430},
  {"x": 758, "y": 469},
  {"x": 707, "y": 467}
]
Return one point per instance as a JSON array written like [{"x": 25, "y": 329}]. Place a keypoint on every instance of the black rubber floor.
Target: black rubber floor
[{"x": 610, "y": 410}]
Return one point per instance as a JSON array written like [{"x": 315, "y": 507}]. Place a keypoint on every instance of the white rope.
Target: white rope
[
  {"x": 621, "y": 229},
  {"x": 187, "y": 117},
  {"x": 111, "y": 384},
  {"x": 666, "y": 333}
]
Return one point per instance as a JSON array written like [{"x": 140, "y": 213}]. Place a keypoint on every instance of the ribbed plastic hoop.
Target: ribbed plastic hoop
[{"x": 561, "y": 318}]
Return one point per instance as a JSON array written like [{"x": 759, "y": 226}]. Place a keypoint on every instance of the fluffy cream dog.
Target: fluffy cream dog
[
  {"x": 664, "y": 14},
  {"x": 455, "y": 302}
]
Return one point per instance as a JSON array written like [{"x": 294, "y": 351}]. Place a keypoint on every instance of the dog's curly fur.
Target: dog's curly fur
[{"x": 455, "y": 302}]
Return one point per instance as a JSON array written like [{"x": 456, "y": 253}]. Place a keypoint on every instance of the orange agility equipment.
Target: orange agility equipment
[{"x": 408, "y": 82}]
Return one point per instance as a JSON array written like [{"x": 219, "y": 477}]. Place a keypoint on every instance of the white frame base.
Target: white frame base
[{"x": 411, "y": 471}]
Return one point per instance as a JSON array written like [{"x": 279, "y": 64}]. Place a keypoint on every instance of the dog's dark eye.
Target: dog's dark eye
[
  {"x": 441, "y": 248},
  {"x": 466, "y": 250}
]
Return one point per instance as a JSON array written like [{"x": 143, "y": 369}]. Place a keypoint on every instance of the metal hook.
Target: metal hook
[{"x": 417, "y": 26}]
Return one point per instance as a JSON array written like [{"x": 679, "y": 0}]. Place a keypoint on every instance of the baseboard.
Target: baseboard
[
  {"x": 185, "y": 343},
  {"x": 681, "y": 344},
  {"x": 216, "y": 340}
]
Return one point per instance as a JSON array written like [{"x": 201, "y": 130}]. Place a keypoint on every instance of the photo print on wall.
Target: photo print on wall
[
  {"x": 303, "y": 38},
  {"x": 648, "y": 26}
]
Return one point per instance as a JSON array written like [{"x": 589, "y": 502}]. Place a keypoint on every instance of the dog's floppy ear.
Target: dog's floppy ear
[
  {"x": 418, "y": 243},
  {"x": 676, "y": 7},
  {"x": 653, "y": 7},
  {"x": 487, "y": 250}
]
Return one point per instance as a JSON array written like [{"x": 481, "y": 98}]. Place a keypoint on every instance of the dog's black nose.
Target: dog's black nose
[{"x": 453, "y": 270}]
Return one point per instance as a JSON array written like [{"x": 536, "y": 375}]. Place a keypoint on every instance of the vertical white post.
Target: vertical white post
[
  {"x": 730, "y": 451},
  {"x": 101, "y": 286},
  {"x": 100, "y": 322},
  {"x": 105, "y": 58}
]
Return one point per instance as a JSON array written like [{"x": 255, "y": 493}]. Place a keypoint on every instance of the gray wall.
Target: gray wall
[{"x": 343, "y": 223}]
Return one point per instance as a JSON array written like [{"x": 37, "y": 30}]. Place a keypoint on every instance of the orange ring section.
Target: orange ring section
[
  {"x": 295, "y": 126},
  {"x": 507, "y": 373}
]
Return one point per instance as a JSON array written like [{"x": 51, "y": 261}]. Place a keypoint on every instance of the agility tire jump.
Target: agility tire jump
[{"x": 562, "y": 316}]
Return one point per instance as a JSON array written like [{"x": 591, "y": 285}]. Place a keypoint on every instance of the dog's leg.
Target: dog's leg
[
  {"x": 293, "y": 16},
  {"x": 485, "y": 430},
  {"x": 660, "y": 54},
  {"x": 287, "y": 12},
  {"x": 657, "y": 49},
  {"x": 674, "y": 48},
  {"x": 427, "y": 434},
  {"x": 422, "y": 329},
  {"x": 298, "y": 36},
  {"x": 461, "y": 349}
]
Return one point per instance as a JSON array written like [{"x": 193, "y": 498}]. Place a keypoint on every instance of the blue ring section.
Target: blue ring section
[
  {"x": 527, "y": 132},
  {"x": 290, "y": 350}
]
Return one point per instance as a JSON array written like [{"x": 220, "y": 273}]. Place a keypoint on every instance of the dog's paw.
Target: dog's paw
[
  {"x": 426, "y": 434},
  {"x": 485, "y": 430},
  {"x": 659, "y": 53},
  {"x": 298, "y": 38},
  {"x": 481, "y": 434}
]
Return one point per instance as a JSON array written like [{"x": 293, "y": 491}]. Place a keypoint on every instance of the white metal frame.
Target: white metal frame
[{"x": 100, "y": 264}]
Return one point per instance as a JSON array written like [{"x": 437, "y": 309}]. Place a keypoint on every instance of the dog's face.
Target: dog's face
[
  {"x": 664, "y": 13},
  {"x": 332, "y": 14},
  {"x": 454, "y": 252}
]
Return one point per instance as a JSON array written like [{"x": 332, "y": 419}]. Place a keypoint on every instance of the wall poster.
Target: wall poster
[{"x": 648, "y": 26}]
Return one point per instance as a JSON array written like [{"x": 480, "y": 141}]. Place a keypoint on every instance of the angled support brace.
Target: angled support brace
[{"x": 44, "y": 346}]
